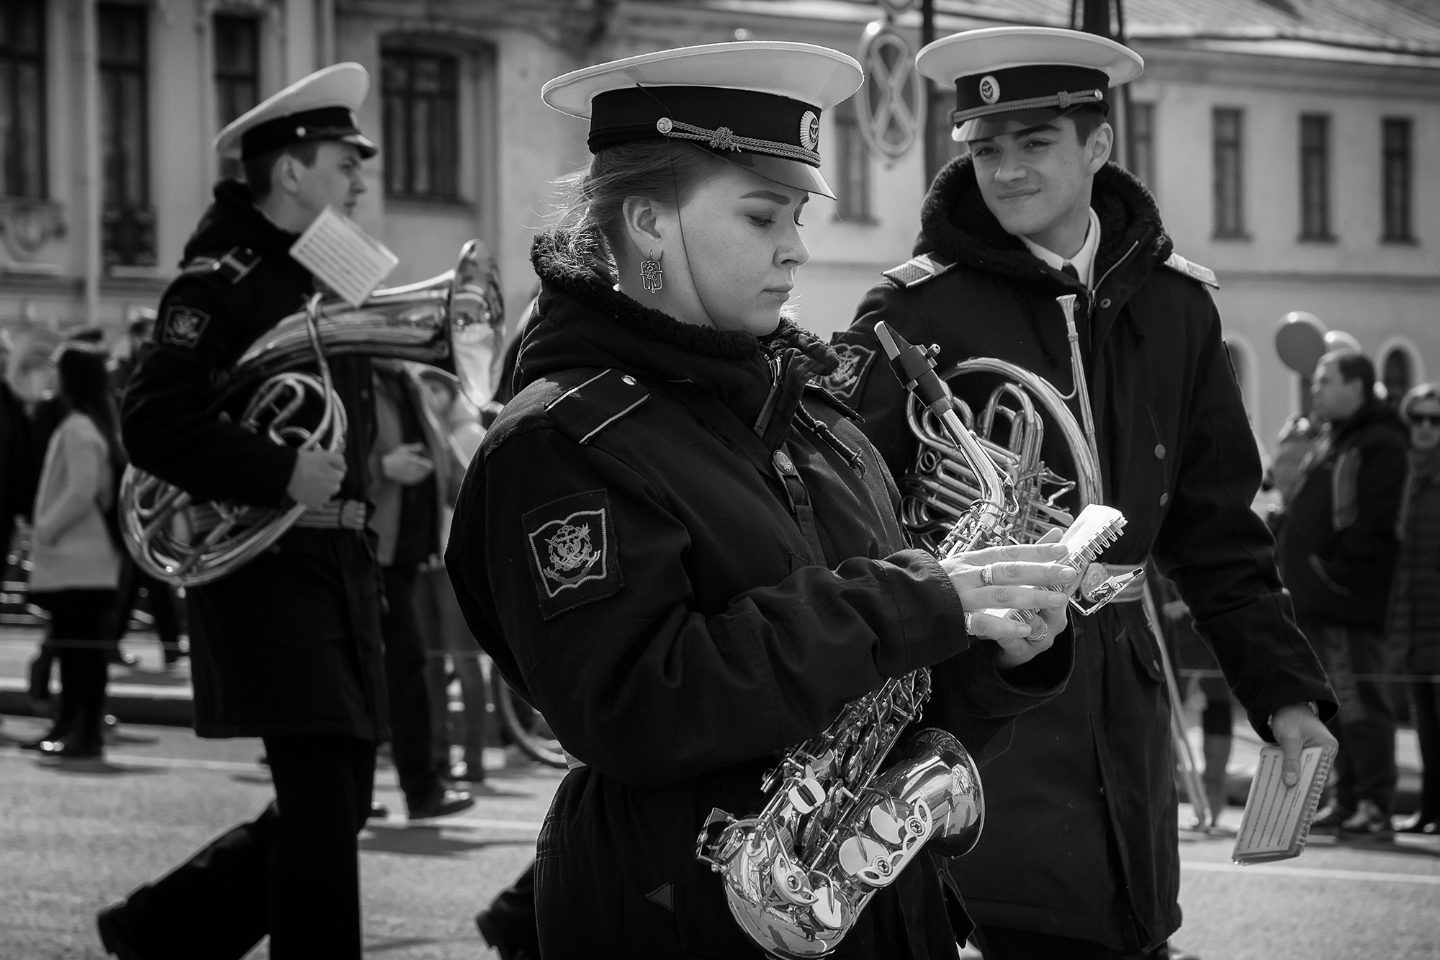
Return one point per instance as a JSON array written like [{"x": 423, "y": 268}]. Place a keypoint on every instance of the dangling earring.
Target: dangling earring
[{"x": 651, "y": 276}]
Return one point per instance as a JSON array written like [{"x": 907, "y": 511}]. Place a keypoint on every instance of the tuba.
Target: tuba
[{"x": 454, "y": 322}]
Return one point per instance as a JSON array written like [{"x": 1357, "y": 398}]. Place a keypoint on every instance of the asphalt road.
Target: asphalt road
[{"x": 75, "y": 836}]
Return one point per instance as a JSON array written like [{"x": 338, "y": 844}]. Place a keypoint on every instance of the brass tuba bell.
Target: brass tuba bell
[{"x": 454, "y": 321}]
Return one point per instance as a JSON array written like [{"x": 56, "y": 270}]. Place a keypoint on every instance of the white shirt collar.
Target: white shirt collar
[{"x": 1083, "y": 261}]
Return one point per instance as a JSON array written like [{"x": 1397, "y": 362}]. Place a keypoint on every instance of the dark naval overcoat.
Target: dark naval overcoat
[
  {"x": 689, "y": 560},
  {"x": 290, "y": 643},
  {"x": 1082, "y": 835}
]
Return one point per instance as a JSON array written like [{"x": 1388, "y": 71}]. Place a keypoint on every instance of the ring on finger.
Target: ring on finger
[
  {"x": 970, "y": 624},
  {"x": 987, "y": 575},
  {"x": 1044, "y": 631}
]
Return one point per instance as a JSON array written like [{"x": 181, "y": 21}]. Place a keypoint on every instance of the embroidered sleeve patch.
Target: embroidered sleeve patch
[
  {"x": 845, "y": 381},
  {"x": 184, "y": 325},
  {"x": 572, "y": 552}
]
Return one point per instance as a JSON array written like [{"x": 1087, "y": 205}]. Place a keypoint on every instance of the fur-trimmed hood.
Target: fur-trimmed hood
[
  {"x": 584, "y": 320},
  {"x": 956, "y": 224}
]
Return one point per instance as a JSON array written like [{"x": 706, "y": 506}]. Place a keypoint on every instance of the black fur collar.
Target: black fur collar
[{"x": 956, "y": 224}]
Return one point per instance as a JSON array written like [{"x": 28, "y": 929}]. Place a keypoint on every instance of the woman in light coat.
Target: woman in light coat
[{"x": 75, "y": 551}]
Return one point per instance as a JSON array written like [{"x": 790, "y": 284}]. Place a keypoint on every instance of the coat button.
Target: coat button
[
  {"x": 1164, "y": 499},
  {"x": 1159, "y": 451},
  {"x": 1105, "y": 303},
  {"x": 628, "y": 380},
  {"x": 783, "y": 464}
]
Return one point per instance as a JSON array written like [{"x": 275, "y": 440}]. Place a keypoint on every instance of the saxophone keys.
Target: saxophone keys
[
  {"x": 888, "y": 826},
  {"x": 806, "y": 795},
  {"x": 826, "y": 909},
  {"x": 790, "y": 882}
]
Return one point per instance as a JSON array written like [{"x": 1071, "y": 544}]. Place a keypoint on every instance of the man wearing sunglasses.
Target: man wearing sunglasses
[{"x": 1338, "y": 548}]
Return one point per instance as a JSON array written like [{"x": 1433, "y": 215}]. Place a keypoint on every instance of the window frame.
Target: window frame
[
  {"x": 223, "y": 79},
  {"x": 852, "y": 157},
  {"x": 131, "y": 218},
  {"x": 1315, "y": 179},
  {"x": 1221, "y": 228},
  {"x": 12, "y": 62},
  {"x": 1404, "y": 232},
  {"x": 449, "y": 96},
  {"x": 1141, "y": 142}
]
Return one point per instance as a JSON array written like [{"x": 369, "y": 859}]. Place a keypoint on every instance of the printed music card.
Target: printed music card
[
  {"x": 345, "y": 258},
  {"x": 1277, "y": 818}
]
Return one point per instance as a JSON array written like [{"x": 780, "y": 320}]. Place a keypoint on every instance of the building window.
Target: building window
[
  {"x": 1142, "y": 142},
  {"x": 1229, "y": 173},
  {"x": 853, "y": 187},
  {"x": 1398, "y": 375},
  {"x": 1315, "y": 177},
  {"x": 1396, "y": 171},
  {"x": 422, "y": 156},
  {"x": 237, "y": 75},
  {"x": 22, "y": 98},
  {"x": 127, "y": 221}
]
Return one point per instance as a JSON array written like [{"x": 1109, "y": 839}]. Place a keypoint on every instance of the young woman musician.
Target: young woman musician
[{"x": 681, "y": 550}]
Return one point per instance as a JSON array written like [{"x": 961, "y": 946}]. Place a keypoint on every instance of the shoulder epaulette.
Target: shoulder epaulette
[
  {"x": 234, "y": 265},
  {"x": 581, "y": 403},
  {"x": 916, "y": 270},
  {"x": 594, "y": 401},
  {"x": 1192, "y": 270}
]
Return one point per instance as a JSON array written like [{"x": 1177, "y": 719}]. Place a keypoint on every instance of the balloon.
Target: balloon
[
  {"x": 1301, "y": 341},
  {"x": 1340, "y": 340}
]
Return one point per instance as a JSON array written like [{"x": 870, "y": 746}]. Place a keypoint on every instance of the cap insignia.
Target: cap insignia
[
  {"x": 989, "y": 89},
  {"x": 810, "y": 130},
  {"x": 724, "y": 139},
  {"x": 664, "y": 125}
]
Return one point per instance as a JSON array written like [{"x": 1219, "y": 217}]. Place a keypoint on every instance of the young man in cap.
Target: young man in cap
[
  {"x": 288, "y": 647},
  {"x": 1080, "y": 857}
]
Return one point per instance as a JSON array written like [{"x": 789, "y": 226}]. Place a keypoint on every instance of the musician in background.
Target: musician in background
[
  {"x": 405, "y": 488},
  {"x": 686, "y": 557},
  {"x": 1080, "y": 858},
  {"x": 286, "y": 648}
]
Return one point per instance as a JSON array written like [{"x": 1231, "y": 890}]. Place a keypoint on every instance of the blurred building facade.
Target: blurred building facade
[{"x": 1289, "y": 143}]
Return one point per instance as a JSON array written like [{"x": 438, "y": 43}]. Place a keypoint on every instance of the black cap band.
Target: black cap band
[
  {"x": 322, "y": 123},
  {"x": 723, "y": 118},
  {"x": 1026, "y": 88}
]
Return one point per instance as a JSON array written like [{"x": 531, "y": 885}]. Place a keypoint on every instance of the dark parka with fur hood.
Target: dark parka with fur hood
[
  {"x": 690, "y": 560},
  {"x": 1081, "y": 839}
]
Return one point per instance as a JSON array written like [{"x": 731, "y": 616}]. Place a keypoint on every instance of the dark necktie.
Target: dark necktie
[{"x": 1069, "y": 270}]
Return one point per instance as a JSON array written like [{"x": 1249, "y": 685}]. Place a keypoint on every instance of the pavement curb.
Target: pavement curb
[{"x": 129, "y": 702}]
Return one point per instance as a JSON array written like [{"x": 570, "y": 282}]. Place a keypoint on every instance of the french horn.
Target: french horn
[{"x": 454, "y": 321}]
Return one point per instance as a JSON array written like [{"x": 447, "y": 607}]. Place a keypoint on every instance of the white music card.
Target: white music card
[{"x": 345, "y": 258}]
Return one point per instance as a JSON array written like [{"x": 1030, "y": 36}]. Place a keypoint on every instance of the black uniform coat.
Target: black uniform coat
[
  {"x": 1082, "y": 834},
  {"x": 1338, "y": 542},
  {"x": 290, "y": 643},
  {"x": 680, "y": 614}
]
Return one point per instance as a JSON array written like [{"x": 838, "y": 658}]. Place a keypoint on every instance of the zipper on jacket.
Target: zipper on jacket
[{"x": 1106, "y": 275}]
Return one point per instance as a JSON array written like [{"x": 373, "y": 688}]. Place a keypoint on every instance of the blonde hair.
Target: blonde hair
[{"x": 589, "y": 205}]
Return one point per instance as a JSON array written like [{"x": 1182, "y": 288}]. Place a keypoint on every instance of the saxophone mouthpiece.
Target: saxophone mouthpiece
[{"x": 914, "y": 367}]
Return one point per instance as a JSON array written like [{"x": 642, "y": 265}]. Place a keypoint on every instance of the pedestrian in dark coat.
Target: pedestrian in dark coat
[
  {"x": 287, "y": 647},
  {"x": 1338, "y": 548},
  {"x": 1414, "y": 617},
  {"x": 18, "y": 467},
  {"x": 682, "y": 553},
  {"x": 1081, "y": 857}
]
